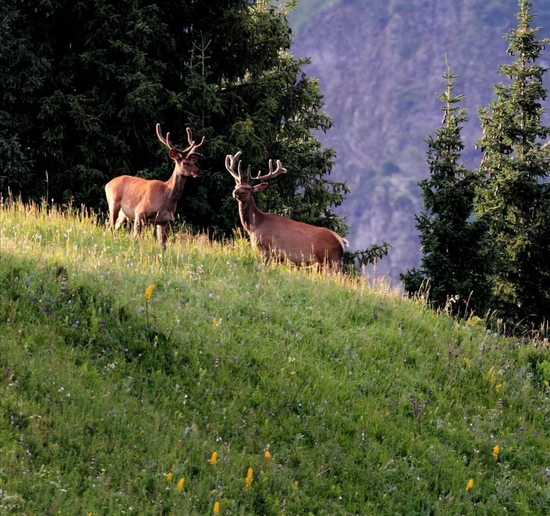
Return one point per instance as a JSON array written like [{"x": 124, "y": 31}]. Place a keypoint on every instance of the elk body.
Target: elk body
[
  {"x": 277, "y": 236},
  {"x": 140, "y": 200}
]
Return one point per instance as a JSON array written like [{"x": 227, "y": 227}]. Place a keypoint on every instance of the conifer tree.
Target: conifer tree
[
  {"x": 512, "y": 197},
  {"x": 453, "y": 261},
  {"x": 83, "y": 85}
]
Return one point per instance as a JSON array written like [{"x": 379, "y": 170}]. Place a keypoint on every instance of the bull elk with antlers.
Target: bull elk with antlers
[
  {"x": 138, "y": 199},
  {"x": 278, "y": 236}
]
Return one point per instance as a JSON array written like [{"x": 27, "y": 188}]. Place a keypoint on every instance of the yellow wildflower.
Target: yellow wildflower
[
  {"x": 249, "y": 475},
  {"x": 169, "y": 477},
  {"x": 180, "y": 483},
  {"x": 496, "y": 451},
  {"x": 214, "y": 458},
  {"x": 267, "y": 455},
  {"x": 470, "y": 484},
  {"x": 216, "y": 508},
  {"x": 148, "y": 292}
]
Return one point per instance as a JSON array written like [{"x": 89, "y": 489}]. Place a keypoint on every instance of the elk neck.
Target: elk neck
[
  {"x": 250, "y": 215},
  {"x": 175, "y": 184}
]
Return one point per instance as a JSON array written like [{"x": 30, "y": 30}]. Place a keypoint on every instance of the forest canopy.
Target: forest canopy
[{"x": 85, "y": 83}]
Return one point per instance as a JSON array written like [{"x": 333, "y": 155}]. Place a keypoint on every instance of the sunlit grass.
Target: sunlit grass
[{"x": 200, "y": 380}]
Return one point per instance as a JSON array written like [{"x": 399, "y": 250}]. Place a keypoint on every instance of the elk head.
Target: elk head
[
  {"x": 245, "y": 188},
  {"x": 185, "y": 160}
]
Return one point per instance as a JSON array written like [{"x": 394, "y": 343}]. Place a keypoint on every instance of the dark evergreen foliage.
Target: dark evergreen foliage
[
  {"x": 453, "y": 273},
  {"x": 513, "y": 196},
  {"x": 84, "y": 83}
]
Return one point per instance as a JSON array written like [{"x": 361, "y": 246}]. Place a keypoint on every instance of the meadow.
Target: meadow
[{"x": 200, "y": 380}]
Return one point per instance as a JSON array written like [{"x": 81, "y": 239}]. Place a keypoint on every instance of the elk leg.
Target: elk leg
[
  {"x": 335, "y": 266},
  {"x": 268, "y": 254},
  {"x": 137, "y": 224},
  {"x": 121, "y": 219},
  {"x": 114, "y": 210},
  {"x": 162, "y": 234},
  {"x": 332, "y": 261}
]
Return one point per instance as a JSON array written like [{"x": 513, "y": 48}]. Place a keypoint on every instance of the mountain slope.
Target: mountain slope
[
  {"x": 139, "y": 382},
  {"x": 380, "y": 65}
]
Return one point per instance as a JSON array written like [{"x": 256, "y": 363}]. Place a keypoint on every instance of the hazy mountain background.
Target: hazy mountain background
[{"x": 380, "y": 65}]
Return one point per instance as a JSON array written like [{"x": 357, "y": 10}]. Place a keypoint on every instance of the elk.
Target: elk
[
  {"x": 138, "y": 199},
  {"x": 277, "y": 236}
]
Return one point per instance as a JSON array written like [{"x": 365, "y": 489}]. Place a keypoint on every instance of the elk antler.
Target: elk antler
[
  {"x": 270, "y": 175},
  {"x": 230, "y": 162},
  {"x": 192, "y": 149}
]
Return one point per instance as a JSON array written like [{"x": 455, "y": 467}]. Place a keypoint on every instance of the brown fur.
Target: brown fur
[
  {"x": 138, "y": 199},
  {"x": 280, "y": 237}
]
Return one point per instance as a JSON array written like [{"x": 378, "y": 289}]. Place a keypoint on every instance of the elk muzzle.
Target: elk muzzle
[{"x": 241, "y": 194}]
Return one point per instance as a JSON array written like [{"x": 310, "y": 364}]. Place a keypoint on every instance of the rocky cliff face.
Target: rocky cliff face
[{"x": 380, "y": 65}]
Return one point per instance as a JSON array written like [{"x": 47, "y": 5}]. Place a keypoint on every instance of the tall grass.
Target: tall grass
[{"x": 264, "y": 389}]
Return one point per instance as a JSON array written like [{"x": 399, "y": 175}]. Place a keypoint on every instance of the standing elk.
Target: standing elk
[
  {"x": 277, "y": 236},
  {"x": 138, "y": 199}
]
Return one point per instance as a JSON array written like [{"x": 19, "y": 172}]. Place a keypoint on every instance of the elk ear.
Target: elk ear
[
  {"x": 260, "y": 187},
  {"x": 175, "y": 155}
]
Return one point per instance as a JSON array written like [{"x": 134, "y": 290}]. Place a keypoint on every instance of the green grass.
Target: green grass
[{"x": 368, "y": 403}]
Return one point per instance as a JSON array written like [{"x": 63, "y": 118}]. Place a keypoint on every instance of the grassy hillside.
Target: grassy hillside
[{"x": 244, "y": 389}]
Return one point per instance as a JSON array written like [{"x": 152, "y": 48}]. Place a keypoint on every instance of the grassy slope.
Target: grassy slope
[{"x": 367, "y": 403}]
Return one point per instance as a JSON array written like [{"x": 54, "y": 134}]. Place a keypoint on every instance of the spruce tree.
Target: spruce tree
[
  {"x": 453, "y": 251},
  {"x": 513, "y": 198}
]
